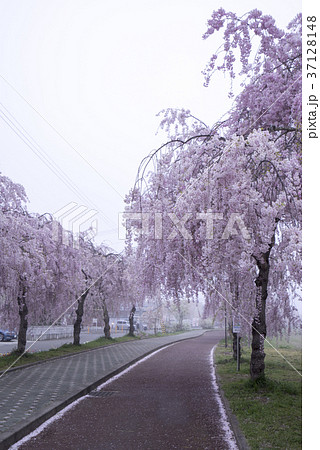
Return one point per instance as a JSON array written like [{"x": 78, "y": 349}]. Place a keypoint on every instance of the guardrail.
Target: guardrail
[{"x": 55, "y": 332}]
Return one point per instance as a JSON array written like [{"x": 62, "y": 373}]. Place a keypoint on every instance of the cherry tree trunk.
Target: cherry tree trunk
[
  {"x": 78, "y": 321},
  {"x": 259, "y": 328},
  {"x": 234, "y": 346},
  {"x": 131, "y": 317},
  {"x": 289, "y": 330},
  {"x": 106, "y": 319},
  {"x": 180, "y": 317},
  {"x": 23, "y": 313}
]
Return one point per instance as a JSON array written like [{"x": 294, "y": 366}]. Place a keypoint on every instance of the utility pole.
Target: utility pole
[
  {"x": 236, "y": 328},
  {"x": 225, "y": 326},
  {"x": 238, "y": 352}
]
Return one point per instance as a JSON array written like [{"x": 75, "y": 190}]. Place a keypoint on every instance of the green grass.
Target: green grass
[
  {"x": 27, "y": 358},
  {"x": 269, "y": 414}
]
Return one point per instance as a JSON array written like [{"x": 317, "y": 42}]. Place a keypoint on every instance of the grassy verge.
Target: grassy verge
[
  {"x": 27, "y": 358},
  {"x": 269, "y": 414}
]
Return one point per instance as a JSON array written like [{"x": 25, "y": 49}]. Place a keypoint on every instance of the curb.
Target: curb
[
  {"x": 239, "y": 436},
  {"x": 11, "y": 439}
]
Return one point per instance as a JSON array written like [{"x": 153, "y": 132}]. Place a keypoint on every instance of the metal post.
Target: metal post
[
  {"x": 238, "y": 353},
  {"x": 225, "y": 327}
]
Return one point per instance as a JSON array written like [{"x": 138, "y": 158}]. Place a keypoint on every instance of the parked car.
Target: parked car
[
  {"x": 123, "y": 325},
  {"x": 6, "y": 335}
]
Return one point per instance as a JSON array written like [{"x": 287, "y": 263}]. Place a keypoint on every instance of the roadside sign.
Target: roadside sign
[{"x": 236, "y": 326}]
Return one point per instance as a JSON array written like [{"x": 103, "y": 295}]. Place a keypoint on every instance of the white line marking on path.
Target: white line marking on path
[
  {"x": 61, "y": 413},
  {"x": 229, "y": 436}
]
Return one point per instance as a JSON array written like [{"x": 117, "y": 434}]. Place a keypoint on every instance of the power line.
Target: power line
[
  {"x": 32, "y": 144},
  {"x": 44, "y": 157},
  {"x": 62, "y": 137}
]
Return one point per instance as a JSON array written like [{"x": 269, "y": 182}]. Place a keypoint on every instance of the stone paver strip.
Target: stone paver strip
[{"x": 31, "y": 395}]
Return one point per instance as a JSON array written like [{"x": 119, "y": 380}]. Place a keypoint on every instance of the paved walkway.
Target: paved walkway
[
  {"x": 31, "y": 395},
  {"x": 168, "y": 401}
]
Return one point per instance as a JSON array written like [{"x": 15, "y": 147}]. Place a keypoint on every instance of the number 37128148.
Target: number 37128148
[{"x": 311, "y": 43}]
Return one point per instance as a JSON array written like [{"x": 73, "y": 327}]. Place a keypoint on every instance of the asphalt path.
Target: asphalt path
[
  {"x": 167, "y": 401},
  {"x": 33, "y": 393}
]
